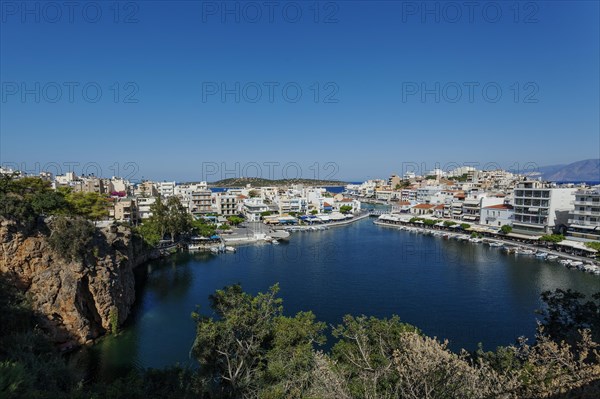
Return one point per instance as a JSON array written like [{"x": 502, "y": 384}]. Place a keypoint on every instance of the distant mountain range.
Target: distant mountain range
[{"x": 581, "y": 171}]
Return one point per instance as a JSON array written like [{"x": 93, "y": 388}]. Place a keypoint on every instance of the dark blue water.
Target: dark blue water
[{"x": 465, "y": 292}]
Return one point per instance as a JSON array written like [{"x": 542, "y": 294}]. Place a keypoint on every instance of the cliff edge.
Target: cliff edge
[{"x": 76, "y": 300}]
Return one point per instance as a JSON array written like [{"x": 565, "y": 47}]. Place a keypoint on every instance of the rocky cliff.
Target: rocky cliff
[{"x": 76, "y": 300}]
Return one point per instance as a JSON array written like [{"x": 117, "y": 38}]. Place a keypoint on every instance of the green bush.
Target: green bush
[{"x": 71, "y": 237}]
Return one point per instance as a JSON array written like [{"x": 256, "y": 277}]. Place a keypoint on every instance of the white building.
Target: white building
[
  {"x": 497, "y": 215},
  {"x": 166, "y": 189},
  {"x": 424, "y": 194},
  {"x": 584, "y": 220},
  {"x": 143, "y": 207},
  {"x": 540, "y": 208},
  {"x": 253, "y": 207},
  {"x": 292, "y": 204}
]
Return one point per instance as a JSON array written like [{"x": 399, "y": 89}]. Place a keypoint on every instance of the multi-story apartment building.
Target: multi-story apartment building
[
  {"x": 292, "y": 204},
  {"x": 166, "y": 189},
  {"x": 143, "y": 205},
  {"x": 124, "y": 210},
  {"x": 584, "y": 220},
  {"x": 89, "y": 185},
  {"x": 424, "y": 194},
  {"x": 146, "y": 189},
  {"x": 227, "y": 204},
  {"x": 202, "y": 202},
  {"x": 540, "y": 208}
]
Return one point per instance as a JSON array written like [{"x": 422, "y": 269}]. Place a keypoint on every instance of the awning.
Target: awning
[
  {"x": 576, "y": 245},
  {"x": 581, "y": 226},
  {"x": 523, "y": 236},
  {"x": 470, "y": 217}
]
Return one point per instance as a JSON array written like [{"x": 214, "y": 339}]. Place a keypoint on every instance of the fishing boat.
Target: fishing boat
[
  {"x": 230, "y": 249},
  {"x": 541, "y": 255}
]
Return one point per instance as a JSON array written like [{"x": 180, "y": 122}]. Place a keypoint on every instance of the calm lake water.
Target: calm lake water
[{"x": 451, "y": 289}]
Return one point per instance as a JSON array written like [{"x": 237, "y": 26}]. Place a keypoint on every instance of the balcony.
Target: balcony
[
  {"x": 583, "y": 222},
  {"x": 586, "y": 213},
  {"x": 586, "y": 202}
]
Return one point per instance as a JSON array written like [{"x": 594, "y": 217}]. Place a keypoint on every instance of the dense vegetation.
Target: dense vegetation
[
  {"x": 24, "y": 200},
  {"x": 248, "y": 348}
]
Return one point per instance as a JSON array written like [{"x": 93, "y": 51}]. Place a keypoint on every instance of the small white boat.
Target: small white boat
[
  {"x": 565, "y": 262},
  {"x": 230, "y": 249},
  {"x": 496, "y": 244},
  {"x": 214, "y": 250},
  {"x": 577, "y": 264},
  {"x": 541, "y": 254},
  {"x": 552, "y": 257},
  {"x": 525, "y": 252}
]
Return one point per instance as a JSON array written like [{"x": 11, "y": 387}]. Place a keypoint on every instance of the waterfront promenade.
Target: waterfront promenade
[
  {"x": 252, "y": 232},
  {"x": 499, "y": 239}
]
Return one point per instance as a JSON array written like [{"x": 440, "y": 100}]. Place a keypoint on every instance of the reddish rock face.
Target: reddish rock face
[{"x": 74, "y": 299}]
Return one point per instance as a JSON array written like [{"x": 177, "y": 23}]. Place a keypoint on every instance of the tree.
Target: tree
[
  {"x": 252, "y": 349},
  {"x": 365, "y": 354},
  {"x": 203, "y": 228},
  {"x": 314, "y": 212},
  {"x": 178, "y": 220},
  {"x": 93, "y": 206},
  {"x": 266, "y": 213},
  {"x": 235, "y": 220},
  {"x": 465, "y": 226},
  {"x": 506, "y": 229},
  {"x": 345, "y": 208},
  {"x": 71, "y": 237},
  {"x": 254, "y": 193},
  {"x": 449, "y": 223},
  {"x": 566, "y": 313},
  {"x": 552, "y": 238},
  {"x": 49, "y": 202}
]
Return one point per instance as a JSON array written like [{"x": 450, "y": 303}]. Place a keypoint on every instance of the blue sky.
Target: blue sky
[{"x": 380, "y": 84}]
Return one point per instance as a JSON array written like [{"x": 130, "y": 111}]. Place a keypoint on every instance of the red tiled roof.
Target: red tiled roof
[
  {"x": 403, "y": 203},
  {"x": 326, "y": 204},
  {"x": 441, "y": 206},
  {"x": 500, "y": 206},
  {"x": 423, "y": 206}
]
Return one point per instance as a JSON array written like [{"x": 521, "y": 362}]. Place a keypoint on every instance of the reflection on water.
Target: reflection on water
[{"x": 465, "y": 292}]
